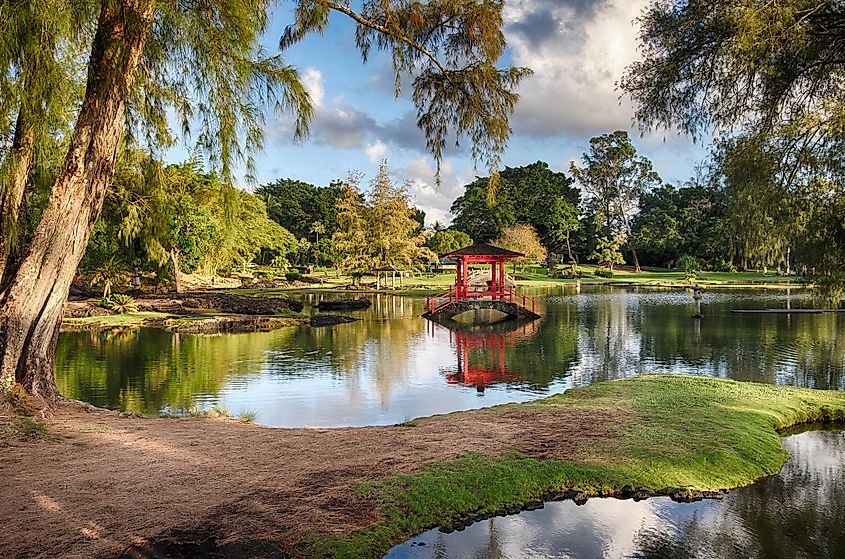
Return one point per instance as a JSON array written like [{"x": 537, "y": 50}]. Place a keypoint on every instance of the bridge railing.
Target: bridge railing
[
  {"x": 525, "y": 301},
  {"x": 437, "y": 302}
]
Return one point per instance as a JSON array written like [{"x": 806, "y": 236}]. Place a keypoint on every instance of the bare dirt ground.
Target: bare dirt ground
[{"x": 101, "y": 485}]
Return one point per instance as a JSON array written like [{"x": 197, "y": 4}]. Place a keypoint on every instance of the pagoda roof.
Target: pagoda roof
[{"x": 483, "y": 249}]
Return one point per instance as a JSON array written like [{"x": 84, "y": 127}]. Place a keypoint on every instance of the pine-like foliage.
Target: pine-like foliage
[
  {"x": 448, "y": 50},
  {"x": 378, "y": 231}
]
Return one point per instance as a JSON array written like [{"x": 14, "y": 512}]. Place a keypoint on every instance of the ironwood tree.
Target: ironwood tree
[
  {"x": 769, "y": 76},
  {"x": 379, "y": 230},
  {"x": 614, "y": 177},
  {"x": 204, "y": 61}
]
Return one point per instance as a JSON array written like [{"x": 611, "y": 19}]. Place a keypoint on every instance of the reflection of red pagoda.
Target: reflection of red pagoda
[{"x": 492, "y": 347}]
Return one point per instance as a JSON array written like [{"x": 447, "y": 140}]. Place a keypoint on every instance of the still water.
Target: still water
[
  {"x": 798, "y": 513},
  {"x": 393, "y": 365}
]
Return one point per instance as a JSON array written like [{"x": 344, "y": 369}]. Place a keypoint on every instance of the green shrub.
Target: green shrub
[
  {"x": 293, "y": 276},
  {"x": 604, "y": 272},
  {"x": 121, "y": 304},
  {"x": 725, "y": 266},
  {"x": 687, "y": 263}
]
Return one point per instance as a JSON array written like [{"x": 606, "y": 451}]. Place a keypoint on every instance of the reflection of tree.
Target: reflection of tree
[
  {"x": 622, "y": 334},
  {"x": 798, "y": 513},
  {"x": 803, "y": 350},
  {"x": 377, "y": 347},
  {"x": 146, "y": 370}
]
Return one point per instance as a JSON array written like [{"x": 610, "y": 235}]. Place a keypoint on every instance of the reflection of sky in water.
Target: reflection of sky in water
[
  {"x": 798, "y": 513},
  {"x": 379, "y": 388},
  {"x": 393, "y": 366}
]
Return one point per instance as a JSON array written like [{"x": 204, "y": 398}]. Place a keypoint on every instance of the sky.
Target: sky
[{"x": 578, "y": 50}]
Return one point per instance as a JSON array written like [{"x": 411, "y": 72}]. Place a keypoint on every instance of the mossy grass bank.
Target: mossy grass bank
[{"x": 692, "y": 433}]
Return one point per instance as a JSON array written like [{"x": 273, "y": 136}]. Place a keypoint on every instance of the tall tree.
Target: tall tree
[
  {"x": 380, "y": 229},
  {"x": 614, "y": 177},
  {"x": 532, "y": 194},
  {"x": 39, "y": 46},
  {"x": 767, "y": 71},
  {"x": 205, "y": 61}
]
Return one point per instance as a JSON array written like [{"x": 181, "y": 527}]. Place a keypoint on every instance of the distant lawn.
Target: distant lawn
[{"x": 532, "y": 276}]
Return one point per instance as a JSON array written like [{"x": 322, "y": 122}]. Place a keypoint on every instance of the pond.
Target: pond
[
  {"x": 393, "y": 365},
  {"x": 797, "y": 513}
]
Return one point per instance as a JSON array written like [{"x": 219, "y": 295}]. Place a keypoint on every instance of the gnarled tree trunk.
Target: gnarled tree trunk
[
  {"x": 11, "y": 197},
  {"x": 31, "y": 306}
]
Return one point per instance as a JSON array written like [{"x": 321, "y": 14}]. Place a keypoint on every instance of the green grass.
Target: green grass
[
  {"x": 248, "y": 416},
  {"x": 680, "y": 431},
  {"x": 536, "y": 276},
  {"x": 17, "y": 428}
]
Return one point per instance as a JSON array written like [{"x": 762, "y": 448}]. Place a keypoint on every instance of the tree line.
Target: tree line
[{"x": 611, "y": 209}]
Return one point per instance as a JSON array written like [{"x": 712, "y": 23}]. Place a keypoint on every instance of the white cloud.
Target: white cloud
[
  {"x": 578, "y": 51},
  {"x": 434, "y": 200},
  {"x": 376, "y": 151},
  {"x": 312, "y": 79}
]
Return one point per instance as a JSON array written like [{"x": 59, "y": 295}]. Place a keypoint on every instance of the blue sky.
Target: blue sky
[{"x": 577, "y": 49}]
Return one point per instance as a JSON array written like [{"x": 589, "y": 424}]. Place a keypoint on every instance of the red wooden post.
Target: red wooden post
[{"x": 502, "y": 275}]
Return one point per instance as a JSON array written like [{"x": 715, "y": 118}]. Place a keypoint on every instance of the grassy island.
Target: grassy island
[{"x": 350, "y": 492}]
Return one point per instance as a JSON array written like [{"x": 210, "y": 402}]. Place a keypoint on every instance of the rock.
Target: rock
[
  {"x": 323, "y": 319},
  {"x": 640, "y": 495},
  {"x": 626, "y": 492},
  {"x": 580, "y": 498},
  {"x": 682, "y": 495},
  {"x": 344, "y": 304},
  {"x": 533, "y": 505},
  {"x": 554, "y": 496},
  {"x": 224, "y": 302}
]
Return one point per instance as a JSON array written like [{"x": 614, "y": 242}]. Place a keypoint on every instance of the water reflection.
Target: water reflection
[
  {"x": 390, "y": 367},
  {"x": 482, "y": 350},
  {"x": 797, "y": 513}
]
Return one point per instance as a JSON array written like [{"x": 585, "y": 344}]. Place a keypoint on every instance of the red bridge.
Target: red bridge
[{"x": 475, "y": 289}]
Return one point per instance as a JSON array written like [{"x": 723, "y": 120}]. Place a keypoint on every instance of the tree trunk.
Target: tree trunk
[
  {"x": 636, "y": 260},
  {"x": 177, "y": 281},
  {"x": 11, "y": 200},
  {"x": 31, "y": 307}
]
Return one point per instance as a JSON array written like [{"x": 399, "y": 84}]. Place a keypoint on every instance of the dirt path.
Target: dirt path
[{"x": 97, "y": 483}]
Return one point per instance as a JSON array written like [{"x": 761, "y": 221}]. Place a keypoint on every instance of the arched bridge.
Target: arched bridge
[
  {"x": 444, "y": 307},
  {"x": 449, "y": 310},
  {"x": 474, "y": 290}
]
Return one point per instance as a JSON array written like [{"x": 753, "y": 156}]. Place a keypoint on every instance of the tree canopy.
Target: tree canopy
[
  {"x": 533, "y": 195},
  {"x": 730, "y": 64},
  {"x": 378, "y": 230},
  {"x": 614, "y": 178}
]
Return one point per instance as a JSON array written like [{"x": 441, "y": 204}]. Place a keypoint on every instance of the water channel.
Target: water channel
[
  {"x": 797, "y": 513},
  {"x": 393, "y": 366}
]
